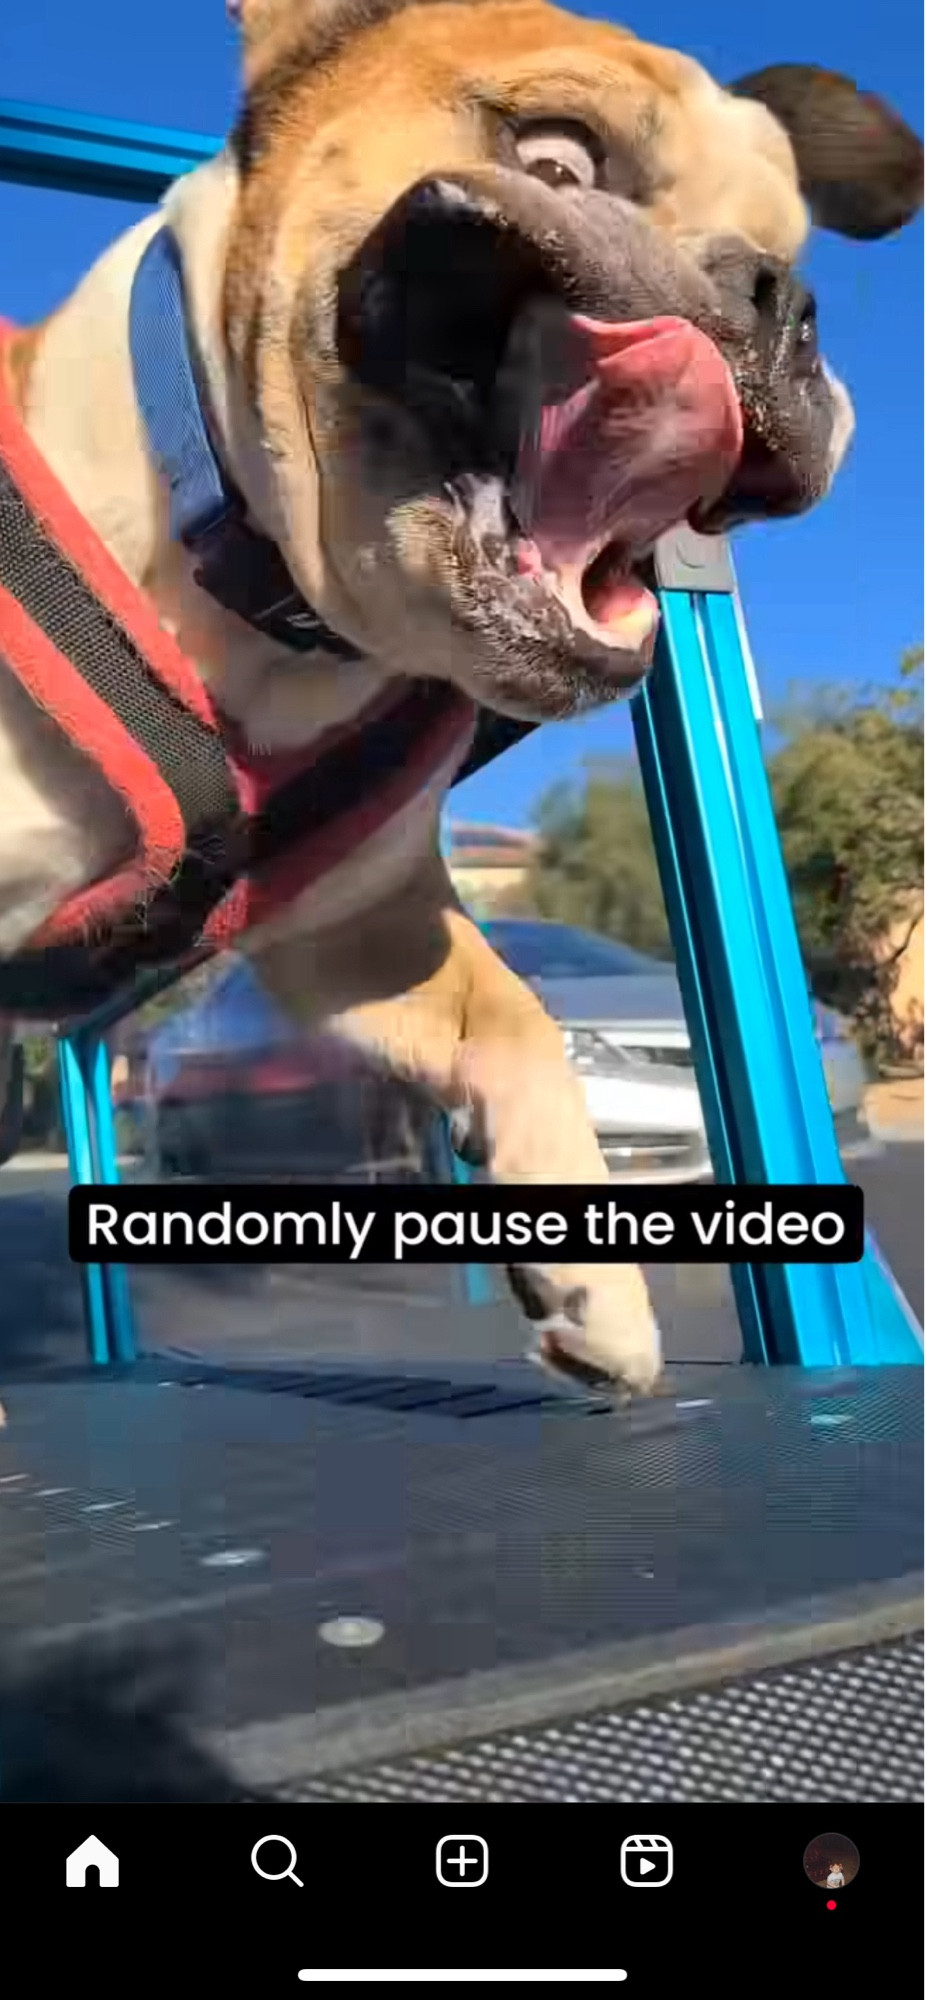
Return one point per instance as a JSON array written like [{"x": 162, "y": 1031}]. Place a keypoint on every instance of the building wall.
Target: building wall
[
  {"x": 909, "y": 993},
  {"x": 488, "y": 864},
  {"x": 487, "y": 888}
]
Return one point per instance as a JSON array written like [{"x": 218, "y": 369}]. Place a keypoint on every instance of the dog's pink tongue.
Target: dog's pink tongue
[{"x": 652, "y": 426}]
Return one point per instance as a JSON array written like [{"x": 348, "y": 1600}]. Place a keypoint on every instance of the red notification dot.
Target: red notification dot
[{"x": 831, "y": 1906}]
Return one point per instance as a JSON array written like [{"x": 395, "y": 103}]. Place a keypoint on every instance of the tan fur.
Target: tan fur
[
  {"x": 17, "y": 361},
  {"x": 325, "y": 170},
  {"x": 421, "y": 989},
  {"x": 349, "y": 103}
]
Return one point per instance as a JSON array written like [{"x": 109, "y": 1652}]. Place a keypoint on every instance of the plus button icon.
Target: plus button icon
[{"x": 462, "y": 1861}]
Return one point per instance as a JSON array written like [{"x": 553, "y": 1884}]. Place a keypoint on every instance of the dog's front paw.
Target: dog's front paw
[{"x": 595, "y": 1325}]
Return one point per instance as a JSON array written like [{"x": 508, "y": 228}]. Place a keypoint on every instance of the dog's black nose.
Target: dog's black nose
[
  {"x": 785, "y": 311},
  {"x": 766, "y": 308},
  {"x": 767, "y": 330}
]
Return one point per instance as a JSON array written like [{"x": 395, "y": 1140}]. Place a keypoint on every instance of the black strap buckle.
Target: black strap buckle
[{"x": 244, "y": 571}]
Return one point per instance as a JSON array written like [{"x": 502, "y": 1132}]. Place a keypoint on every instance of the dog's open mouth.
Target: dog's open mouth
[
  {"x": 633, "y": 425},
  {"x": 568, "y": 443}
]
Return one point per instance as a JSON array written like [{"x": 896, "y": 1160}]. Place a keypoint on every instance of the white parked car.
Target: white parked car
[{"x": 626, "y": 1033}]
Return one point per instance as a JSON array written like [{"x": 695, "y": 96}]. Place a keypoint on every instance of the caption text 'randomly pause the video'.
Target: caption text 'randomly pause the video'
[{"x": 261, "y": 1224}]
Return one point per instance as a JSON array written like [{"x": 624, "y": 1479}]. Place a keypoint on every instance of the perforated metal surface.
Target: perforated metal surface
[
  {"x": 847, "y": 1728},
  {"x": 521, "y": 1567}
]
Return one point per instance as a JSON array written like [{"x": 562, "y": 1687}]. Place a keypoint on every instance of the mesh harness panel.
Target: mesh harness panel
[{"x": 213, "y": 844}]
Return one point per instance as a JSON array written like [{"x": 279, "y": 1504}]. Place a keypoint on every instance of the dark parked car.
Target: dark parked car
[{"x": 228, "y": 1087}]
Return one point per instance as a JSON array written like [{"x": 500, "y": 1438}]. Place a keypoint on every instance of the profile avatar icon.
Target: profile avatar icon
[{"x": 831, "y": 1861}]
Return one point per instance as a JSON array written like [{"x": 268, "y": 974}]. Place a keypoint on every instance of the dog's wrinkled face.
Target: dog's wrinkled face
[{"x": 513, "y": 294}]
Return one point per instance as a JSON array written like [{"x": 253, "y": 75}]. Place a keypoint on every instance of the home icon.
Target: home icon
[{"x": 93, "y": 1859}]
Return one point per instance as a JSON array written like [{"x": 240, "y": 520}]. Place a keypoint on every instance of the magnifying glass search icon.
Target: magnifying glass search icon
[{"x": 276, "y": 1874}]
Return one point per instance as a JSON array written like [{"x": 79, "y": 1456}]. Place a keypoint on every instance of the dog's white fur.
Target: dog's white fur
[{"x": 82, "y": 414}]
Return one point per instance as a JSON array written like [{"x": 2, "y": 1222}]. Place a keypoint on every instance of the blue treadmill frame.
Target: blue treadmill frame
[{"x": 757, "y": 1063}]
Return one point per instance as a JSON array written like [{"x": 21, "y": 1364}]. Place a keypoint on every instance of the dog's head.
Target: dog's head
[{"x": 512, "y": 293}]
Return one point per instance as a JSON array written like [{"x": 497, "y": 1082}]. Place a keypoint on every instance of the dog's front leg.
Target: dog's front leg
[{"x": 481, "y": 1044}]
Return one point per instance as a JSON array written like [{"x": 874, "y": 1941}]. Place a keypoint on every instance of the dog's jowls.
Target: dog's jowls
[{"x": 486, "y": 296}]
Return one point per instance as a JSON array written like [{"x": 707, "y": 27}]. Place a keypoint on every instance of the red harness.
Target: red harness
[{"x": 219, "y": 838}]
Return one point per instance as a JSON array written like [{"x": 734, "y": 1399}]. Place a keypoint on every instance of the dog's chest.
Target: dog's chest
[{"x": 279, "y": 700}]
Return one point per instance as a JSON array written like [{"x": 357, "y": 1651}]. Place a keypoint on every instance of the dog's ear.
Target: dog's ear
[
  {"x": 860, "y": 166},
  {"x": 272, "y": 28}
]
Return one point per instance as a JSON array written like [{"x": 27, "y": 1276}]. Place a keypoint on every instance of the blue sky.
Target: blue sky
[{"x": 836, "y": 596}]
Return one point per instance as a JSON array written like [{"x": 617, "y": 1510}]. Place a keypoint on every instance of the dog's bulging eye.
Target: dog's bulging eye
[{"x": 560, "y": 158}]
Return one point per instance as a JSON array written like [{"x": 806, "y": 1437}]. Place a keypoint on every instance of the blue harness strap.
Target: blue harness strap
[{"x": 235, "y": 564}]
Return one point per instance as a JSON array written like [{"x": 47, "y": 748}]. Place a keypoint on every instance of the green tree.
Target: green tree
[
  {"x": 596, "y": 863},
  {"x": 846, "y": 772},
  {"x": 42, "y": 1121},
  {"x": 847, "y": 787}
]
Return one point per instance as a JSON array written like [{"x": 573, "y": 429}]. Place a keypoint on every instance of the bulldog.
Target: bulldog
[{"x": 485, "y": 297}]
